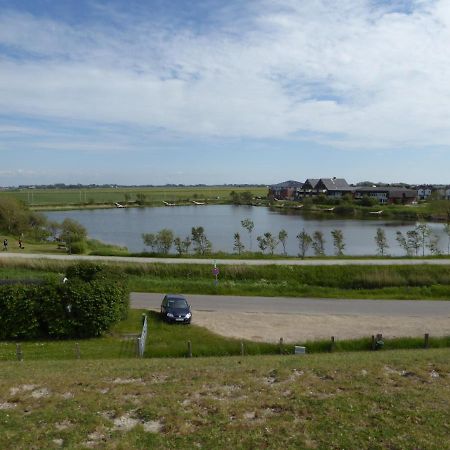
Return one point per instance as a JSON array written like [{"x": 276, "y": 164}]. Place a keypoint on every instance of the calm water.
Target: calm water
[{"x": 124, "y": 227}]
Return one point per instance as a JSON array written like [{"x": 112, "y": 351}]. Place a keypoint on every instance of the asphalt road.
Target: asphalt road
[
  {"x": 309, "y": 306},
  {"x": 250, "y": 262}
]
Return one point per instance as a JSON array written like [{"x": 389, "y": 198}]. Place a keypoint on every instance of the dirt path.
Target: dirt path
[{"x": 265, "y": 327}]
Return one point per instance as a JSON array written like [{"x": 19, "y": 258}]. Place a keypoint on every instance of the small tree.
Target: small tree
[
  {"x": 150, "y": 240},
  {"x": 248, "y": 225},
  {"x": 403, "y": 242},
  {"x": 433, "y": 244},
  {"x": 201, "y": 244},
  {"x": 381, "y": 241},
  {"x": 304, "y": 241},
  {"x": 262, "y": 244},
  {"x": 338, "y": 242},
  {"x": 238, "y": 246},
  {"x": 182, "y": 245},
  {"x": 141, "y": 198},
  {"x": 413, "y": 239},
  {"x": 282, "y": 237},
  {"x": 447, "y": 232},
  {"x": 164, "y": 240},
  {"x": 271, "y": 241},
  {"x": 423, "y": 233},
  {"x": 318, "y": 243}
]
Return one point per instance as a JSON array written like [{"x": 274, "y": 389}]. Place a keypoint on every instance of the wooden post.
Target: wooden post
[
  {"x": 77, "y": 350},
  {"x": 242, "y": 349},
  {"x": 189, "y": 349},
  {"x": 373, "y": 342},
  {"x": 19, "y": 352},
  {"x": 333, "y": 344},
  {"x": 281, "y": 345},
  {"x": 426, "y": 341}
]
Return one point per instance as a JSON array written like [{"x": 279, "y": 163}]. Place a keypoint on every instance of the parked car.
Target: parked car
[{"x": 175, "y": 308}]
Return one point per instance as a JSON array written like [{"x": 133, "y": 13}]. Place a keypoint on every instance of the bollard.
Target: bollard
[
  {"x": 77, "y": 350},
  {"x": 281, "y": 346},
  {"x": 333, "y": 344},
  {"x": 242, "y": 349},
  {"x": 19, "y": 352},
  {"x": 426, "y": 341},
  {"x": 189, "y": 349}
]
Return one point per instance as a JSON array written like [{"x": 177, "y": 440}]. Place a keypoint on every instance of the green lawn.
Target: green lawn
[{"x": 382, "y": 400}]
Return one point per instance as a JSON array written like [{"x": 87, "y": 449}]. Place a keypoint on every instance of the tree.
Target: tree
[
  {"x": 150, "y": 240},
  {"x": 271, "y": 242},
  {"x": 262, "y": 244},
  {"x": 235, "y": 198},
  {"x": 238, "y": 246},
  {"x": 164, "y": 240},
  {"x": 304, "y": 241},
  {"x": 413, "y": 239},
  {"x": 433, "y": 244},
  {"x": 447, "y": 232},
  {"x": 201, "y": 244},
  {"x": 73, "y": 234},
  {"x": 318, "y": 243},
  {"x": 423, "y": 233},
  {"x": 282, "y": 236},
  {"x": 403, "y": 242},
  {"x": 182, "y": 246},
  {"x": 246, "y": 198},
  {"x": 248, "y": 225},
  {"x": 338, "y": 242},
  {"x": 267, "y": 241},
  {"x": 381, "y": 241}
]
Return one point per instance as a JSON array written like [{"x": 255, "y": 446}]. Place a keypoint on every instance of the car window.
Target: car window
[{"x": 177, "y": 303}]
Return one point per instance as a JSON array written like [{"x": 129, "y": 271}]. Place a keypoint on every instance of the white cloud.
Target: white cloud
[{"x": 350, "y": 73}]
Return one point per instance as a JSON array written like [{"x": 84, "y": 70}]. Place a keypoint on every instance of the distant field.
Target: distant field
[{"x": 61, "y": 197}]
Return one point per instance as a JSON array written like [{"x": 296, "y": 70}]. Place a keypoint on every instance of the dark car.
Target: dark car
[{"x": 175, "y": 308}]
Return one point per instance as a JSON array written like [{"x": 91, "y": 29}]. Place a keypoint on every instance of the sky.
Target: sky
[{"x": 214, "y": 92}]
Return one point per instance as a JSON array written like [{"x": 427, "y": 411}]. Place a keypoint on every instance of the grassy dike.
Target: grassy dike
[
  {"x": 396, "y": 400},
  {"x": 371, "y": 282}
]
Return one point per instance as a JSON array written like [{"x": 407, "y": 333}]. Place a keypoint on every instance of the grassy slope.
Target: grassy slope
[{"x": 395, "y": 399}]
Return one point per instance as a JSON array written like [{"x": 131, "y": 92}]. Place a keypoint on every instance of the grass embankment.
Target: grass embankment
[
  {"x": 361, "y": 400},
  {"x": 95, "y": 197},
  {"x": 382, "y": 282}
]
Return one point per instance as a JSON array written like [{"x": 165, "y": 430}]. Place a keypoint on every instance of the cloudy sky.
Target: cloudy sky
[{"x": 207, "y": 91}]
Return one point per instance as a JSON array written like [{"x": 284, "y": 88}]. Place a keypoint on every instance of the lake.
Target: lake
[{"x": 125, "y": 226}]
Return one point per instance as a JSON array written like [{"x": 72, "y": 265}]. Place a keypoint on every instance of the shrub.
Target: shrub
[{"x": 86, "y": 305}]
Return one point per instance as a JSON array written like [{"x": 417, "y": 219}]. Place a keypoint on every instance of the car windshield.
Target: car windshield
[{"x": 177, "y": 303}]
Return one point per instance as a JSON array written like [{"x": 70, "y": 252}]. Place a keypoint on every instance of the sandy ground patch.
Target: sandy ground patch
[{"x": 300, "y": 327}]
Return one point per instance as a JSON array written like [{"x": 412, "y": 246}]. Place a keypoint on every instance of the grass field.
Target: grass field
[
  {"x": 395, "y": 400},
  {"x": 153, "y": 195}
]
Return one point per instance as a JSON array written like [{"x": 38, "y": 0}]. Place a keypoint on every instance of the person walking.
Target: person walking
[
  {"x": 20, "y": 243},
  {"x": 5, "y": 245}
]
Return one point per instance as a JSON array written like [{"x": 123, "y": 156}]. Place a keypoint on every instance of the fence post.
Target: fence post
[
  {"x": 426, "y": 341},
  {"x": 19, "y": 352},
  {"x": 77, "y": 350},
  {"x": 189, "y": 349},
  {"x": 242, "y": 349},
  {"x": 281, "y": 345},
  {"x": 373, "y": 342},
  {"x": 138, "y": 346},
  {"x": 333, "y": 344}
]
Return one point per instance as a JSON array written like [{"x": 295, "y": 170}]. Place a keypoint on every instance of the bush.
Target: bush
[
  {"x": 78, "y": 247},
  {"x": 86, "y": 305}
]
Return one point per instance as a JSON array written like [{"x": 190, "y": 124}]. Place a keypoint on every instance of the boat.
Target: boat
[
  {"x": 168, "y": 204},
  {"x": 376, "y": 212},
  {"x": 118, "y": 205},
  {"x": 198, "y": 203}
]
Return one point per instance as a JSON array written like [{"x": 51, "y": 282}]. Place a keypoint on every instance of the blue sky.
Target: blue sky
[{"x": 261, "y": 91}]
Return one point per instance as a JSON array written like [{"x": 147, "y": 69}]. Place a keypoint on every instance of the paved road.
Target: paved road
[
  {"x": 251, "y": 262},
  {"x": 311, "y": 306}
]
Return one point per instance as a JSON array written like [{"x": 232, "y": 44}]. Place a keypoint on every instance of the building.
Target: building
[
  {"x": 387, "y": 194},
  {"x": 287, "y": 190}
]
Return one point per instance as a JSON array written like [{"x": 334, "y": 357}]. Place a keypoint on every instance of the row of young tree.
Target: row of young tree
[{"x": 414, "y": 242}]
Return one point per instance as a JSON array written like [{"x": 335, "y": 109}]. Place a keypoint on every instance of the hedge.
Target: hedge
[{"x": 86, "y": 305}]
